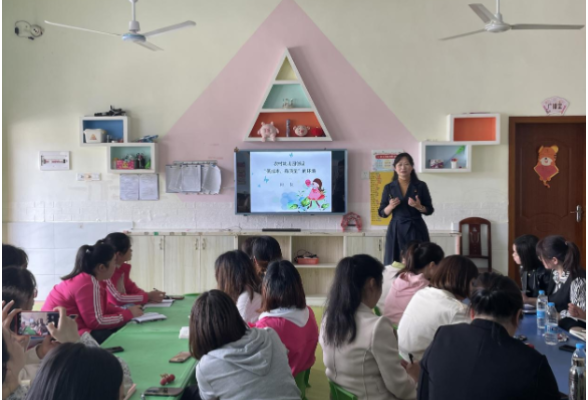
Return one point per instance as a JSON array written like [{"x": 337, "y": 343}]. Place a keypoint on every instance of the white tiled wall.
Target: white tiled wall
[{"x": 52, "y": 247}]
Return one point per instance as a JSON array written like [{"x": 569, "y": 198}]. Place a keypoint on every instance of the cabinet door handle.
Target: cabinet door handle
[
  {"x": 196, "y": 244},
  {"x": 203, "y": 244},
  {"x": 380, "y": 244},
  {"x": 161, "y": 244}
]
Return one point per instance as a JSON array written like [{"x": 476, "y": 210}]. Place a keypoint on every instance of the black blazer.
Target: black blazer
[
  {"x": 415, "y": 188},
  {"x": 482, "y": 361}
]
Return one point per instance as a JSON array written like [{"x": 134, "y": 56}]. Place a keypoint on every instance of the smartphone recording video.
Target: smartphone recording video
[{"x": 34, "y": 323}]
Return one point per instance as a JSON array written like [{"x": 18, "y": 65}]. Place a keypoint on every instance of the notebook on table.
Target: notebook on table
[{"x": 148, "y": 317}]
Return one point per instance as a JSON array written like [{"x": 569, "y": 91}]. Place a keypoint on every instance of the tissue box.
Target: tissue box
[
  {"x": 95, "y": 135},
  {"x": 122, "y": 164}
]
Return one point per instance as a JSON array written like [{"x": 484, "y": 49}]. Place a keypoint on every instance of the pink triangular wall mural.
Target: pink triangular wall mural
[{"x": 356, "y": 117}]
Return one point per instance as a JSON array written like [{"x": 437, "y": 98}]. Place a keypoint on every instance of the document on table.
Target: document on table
[
  {"x": 164, "y": 303},
  {"x": 150, "y": 316}
]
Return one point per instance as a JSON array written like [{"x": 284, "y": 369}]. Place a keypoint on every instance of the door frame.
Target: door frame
[{"x": 512, "y": 131}]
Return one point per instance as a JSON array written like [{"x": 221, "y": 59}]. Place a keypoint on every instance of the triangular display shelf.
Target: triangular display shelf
[{"x": 288, "y": 84}]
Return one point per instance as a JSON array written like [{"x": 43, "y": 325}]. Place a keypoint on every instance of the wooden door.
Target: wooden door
[
  {"x": 210, "y": 248},
  {"x": 147, "y": 262},
  {"x": 533, "y": 207},
  {"x": 181, "y": 275}
]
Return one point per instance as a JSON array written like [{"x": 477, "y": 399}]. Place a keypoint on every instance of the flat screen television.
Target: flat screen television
[{"x": 291, "y": 182}]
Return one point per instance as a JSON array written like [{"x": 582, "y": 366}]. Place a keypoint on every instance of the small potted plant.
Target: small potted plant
[{"x": 454, "y": 163}]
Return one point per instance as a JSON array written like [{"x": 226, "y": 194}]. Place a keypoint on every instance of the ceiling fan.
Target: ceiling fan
[
  {"x": 133, "y": 35},
  {"x": 495, "y": 24}
]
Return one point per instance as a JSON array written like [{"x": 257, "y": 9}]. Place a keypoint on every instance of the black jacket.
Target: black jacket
[
  {"x": 535, "y": 280},
  {"x": 482, "y": 361}
]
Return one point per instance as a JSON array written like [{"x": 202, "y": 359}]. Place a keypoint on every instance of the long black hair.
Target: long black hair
[
  {"x": 120, "y": 241},
  {"x": 495, "y": 296},
  {"x": 89, "y": 257},
  {"x": 399, "y": 157},
  {"x": 282, "y": 287},
  {"x": 344, "y": 297},
  {"x": 565, "y": 251},
  {"x": 13, "y": 256},
  {"x": 265, "y": 250},
  {"x": 5, "y": 358},
  {"x": 526, "y": 246},
  {"x": 235, "y": 274},
  {"x": 22, "y": 280},
  {"x": 419, "y": 255},
  {"x": 74, "y": 371}
]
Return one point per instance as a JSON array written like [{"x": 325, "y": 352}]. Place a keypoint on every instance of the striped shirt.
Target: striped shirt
[{"x": 577, "y": 290}]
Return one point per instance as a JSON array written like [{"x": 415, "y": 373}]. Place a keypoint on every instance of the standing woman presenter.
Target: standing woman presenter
[{"x": 408, "y": 199}]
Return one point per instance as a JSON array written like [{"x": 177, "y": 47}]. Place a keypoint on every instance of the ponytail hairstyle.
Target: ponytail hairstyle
[
  {"x": 495, "y": 296},
  {"x": 566, "y": 253},
  {"x": 344, "y": 297},
  {"x": 265, "y": 250},
  {"x": 5, "y": 357},
  {"x": 419, "y": 255},
  {"x": 120, "y": 241},
  {"x": 399, "y": 157},
  {"x": 89, "y": 257},
  {"x": 526, "y": 246}
]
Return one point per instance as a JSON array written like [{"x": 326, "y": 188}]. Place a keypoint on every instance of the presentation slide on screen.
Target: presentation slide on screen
[{"x": 299, "y": 181}]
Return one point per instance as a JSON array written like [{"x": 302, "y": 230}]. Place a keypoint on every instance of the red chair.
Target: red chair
[{"x": 474, "y": 239}]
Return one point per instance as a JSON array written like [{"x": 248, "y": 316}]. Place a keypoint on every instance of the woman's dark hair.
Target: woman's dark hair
[
  {"x": 406, "y": 247},
  {"x": 496, "y": 296},
  {"x": 5, "y": 358},
  {"x": 21, "y": 281},
  {"x": 265, "y": 250},
  {"x": 74, "y": 371},
  {"x": 344, "y": 296},
  {"x": 320, "y": 183},
  {"x": 455, "y": 274},
  {"x": 399, "y": 157},
  {"x": 89, "y": 257},
  {"x": 419, "y": 255},
  {"x": 235, "y": 274},
  {"x": 282, "y": 287},
  {"x": 120, "y": 241},
  {"x": 526, "y": 246},
  {"x": 214, "y": 322},
  {"x": 247, "y": 246},
  {"x": 565, "y": 251},
  {"x": 13, "y": 256}
]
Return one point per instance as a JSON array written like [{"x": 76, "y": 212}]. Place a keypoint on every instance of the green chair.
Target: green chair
[
  {"x": 377, "y": 311},
  {"x": 338, "y": 393},
  {"x": 302, "y": 382}
]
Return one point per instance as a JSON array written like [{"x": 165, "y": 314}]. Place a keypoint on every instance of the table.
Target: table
[
  {"x": 149, "y": 346},
  {"x": 560, "y": 361}
]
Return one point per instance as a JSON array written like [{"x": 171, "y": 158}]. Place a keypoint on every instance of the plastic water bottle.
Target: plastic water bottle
[
  {"x": 577, "y": 380},
  {"x": 551, "y": 328},
  {"x": 541, "y": 310}
]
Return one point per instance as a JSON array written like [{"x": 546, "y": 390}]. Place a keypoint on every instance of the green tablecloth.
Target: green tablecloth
[{"x": 149, "y": 346}]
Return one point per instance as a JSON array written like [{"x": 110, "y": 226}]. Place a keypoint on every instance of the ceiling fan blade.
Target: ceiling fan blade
[
  {"x": 482, "y": 12},
  {"x": 545, "y": 26},
  {"x": 149, "y": 46},
  {"x": 170, "y": 28},
  {"x": 464, "y": 34},
  {"x": 82, "y": 29}
]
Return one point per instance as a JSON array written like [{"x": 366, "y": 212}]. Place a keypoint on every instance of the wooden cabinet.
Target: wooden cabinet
[
  {"x": 372, "y": 245},
  {"x": 147, "y": 262},
  {"x": 182, "y": 272}
]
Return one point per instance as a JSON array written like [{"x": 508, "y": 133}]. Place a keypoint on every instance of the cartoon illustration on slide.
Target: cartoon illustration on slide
[
  {"x": 303, "y": 201},
  {"x": 317, "y": 192}
]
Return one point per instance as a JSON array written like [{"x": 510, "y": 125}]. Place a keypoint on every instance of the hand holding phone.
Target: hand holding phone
[
  {"x": 67, "y": 331},
  {"x": 34, "y": 323}
]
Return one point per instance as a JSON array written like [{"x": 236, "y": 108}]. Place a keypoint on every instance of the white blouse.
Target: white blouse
[{"x": 248, "y": 308}]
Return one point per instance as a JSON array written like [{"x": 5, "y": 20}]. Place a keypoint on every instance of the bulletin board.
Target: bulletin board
[{"x": 377, "y": 182}]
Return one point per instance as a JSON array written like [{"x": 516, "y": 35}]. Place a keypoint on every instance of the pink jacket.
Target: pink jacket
[
  {"x": 401, "y": 291},
  {"x": 298, "y": 330},
  {"x": 85, "y": 296},
  {"x": 131, "y": 293}
]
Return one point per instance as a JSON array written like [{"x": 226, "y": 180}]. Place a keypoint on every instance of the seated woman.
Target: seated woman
[
  {"x": 359, "y": 348},
  {"x": 435, "y": 306},
  {"x": 534, "y": 275},
  {"x": 236, "y": 276},
  {"x": 482, "y": 360},
  {"x": 75, "y": 371},
  {"x": 567, "y": 289},
  {"x": 83, "y": 293},
  {"x": 265, "y": 250},
  {"x": 421, "y": 261},
  {"x": 284, "y": 310},
  {"x": 236, "y": 362}
]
